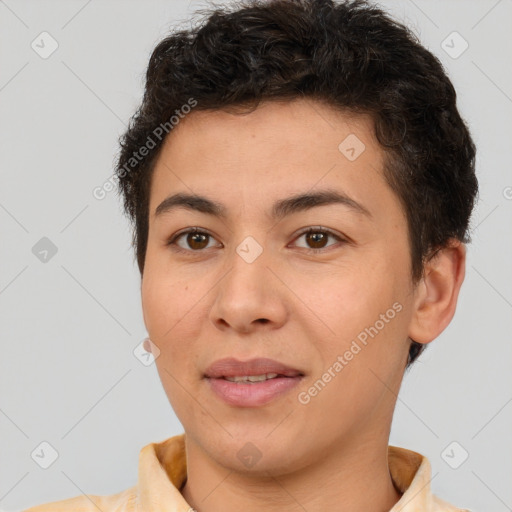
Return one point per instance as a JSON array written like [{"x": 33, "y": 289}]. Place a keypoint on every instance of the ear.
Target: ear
[
  {"x": 437, "y": 292},
  {"x": 147, "y": 345}
]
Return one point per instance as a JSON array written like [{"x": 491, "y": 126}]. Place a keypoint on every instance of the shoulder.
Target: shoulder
[
  {"x": 124, "y": 501},
  {"x": 161, "y": 472},
  {"x": 412, "y": 473},
  {"x": 439, "y": 505}
]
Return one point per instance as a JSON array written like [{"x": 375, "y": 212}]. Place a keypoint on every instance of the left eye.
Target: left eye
[
  {"x": 318, "y": 237},
  {"x": 198, "y": 240}
]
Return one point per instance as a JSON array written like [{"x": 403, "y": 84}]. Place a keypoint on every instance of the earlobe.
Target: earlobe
[
  {"x": 147, "y": 345},
  {"x": 437, "y": 293}
]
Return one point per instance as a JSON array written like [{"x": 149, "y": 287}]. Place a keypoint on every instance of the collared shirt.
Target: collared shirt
[{"x": 163, "y": 471}]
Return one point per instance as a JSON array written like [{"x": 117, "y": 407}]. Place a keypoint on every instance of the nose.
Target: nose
[{"x": 249, "y": 296}]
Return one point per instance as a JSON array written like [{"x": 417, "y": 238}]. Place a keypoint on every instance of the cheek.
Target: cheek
[
  {"x": 172, "y": 303},
  {"x": 164, "y": 303},
  {"x": 362, "y": 311},
  {"x": 346, "y": 297},
  {"x": 161, "y": 305}
]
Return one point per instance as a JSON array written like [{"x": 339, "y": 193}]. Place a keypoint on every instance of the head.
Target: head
[{"x": 269, "y": 100}]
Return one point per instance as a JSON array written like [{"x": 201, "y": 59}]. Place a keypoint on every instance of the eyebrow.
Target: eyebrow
[{"x": 280, "y": 209}]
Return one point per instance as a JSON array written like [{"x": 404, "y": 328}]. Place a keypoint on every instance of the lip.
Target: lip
[
  {"x": 253, "y": 394},
  {"x": 231, "y": 367}
]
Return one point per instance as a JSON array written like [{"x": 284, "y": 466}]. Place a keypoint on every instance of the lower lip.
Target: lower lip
[{"x": 254, "y": 394}]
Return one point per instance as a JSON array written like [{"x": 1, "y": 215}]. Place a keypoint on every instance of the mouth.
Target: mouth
[
  {"x": 251, "y": 379},
  {"x": 253, "y": 370},
  {"x": 251, "y": 383}
]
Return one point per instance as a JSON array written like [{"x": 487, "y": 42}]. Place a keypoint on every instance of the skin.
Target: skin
[{"x": 207, "y": 303}]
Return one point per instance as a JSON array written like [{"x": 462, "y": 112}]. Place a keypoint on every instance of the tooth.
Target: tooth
[
  {"x": 252, "y": 378},
  {"x": 256, "y": 378}
]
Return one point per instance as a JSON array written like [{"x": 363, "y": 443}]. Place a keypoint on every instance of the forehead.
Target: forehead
[
  {"x": 278, "y": 149},
  {"x": 303, "y": 123}
]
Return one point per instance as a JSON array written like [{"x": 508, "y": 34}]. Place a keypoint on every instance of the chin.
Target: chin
[{"x": 256, "y": 455}]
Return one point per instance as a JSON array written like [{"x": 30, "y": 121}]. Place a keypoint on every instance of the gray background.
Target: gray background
[{"x": 69, "y": 325}]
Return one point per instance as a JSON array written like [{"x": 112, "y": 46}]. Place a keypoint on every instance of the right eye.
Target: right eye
[{"x": 196, "y": 239}]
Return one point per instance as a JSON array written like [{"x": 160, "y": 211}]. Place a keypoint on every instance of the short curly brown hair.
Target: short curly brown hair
[{"x": 349, "y": 54}]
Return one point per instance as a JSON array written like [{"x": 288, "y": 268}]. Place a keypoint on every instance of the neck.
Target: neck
[{"x": 353, "y": 479}]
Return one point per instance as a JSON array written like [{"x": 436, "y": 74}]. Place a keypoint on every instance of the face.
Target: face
[{"x": 333, "y": 304}]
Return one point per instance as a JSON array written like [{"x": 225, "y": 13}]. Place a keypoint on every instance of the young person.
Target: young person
[{"x": 301, "y": 184}]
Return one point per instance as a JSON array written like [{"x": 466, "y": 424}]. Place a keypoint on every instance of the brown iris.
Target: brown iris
[
  {"x": 197, "y": 238},
  {"x": 314, "y": 238}
]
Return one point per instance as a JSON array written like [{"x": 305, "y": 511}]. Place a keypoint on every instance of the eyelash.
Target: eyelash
[{"x": 174, "y": 238}]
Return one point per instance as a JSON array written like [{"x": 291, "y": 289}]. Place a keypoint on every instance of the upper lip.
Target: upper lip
[{"x": 230, "y": 367}]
